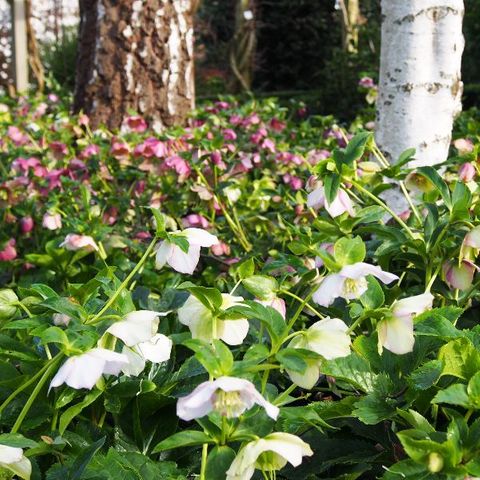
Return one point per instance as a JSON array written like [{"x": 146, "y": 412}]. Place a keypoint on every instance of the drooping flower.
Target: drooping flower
[
  {"x": 269, "y": 454},
  {"x": 13, "y": 459},
  {"x": 395, "y": 333},
  {"x": 459, "y": 275},
  {"x": 340, "y": 205},
  {"x": 179, "y": 260},
  {"x": 229, "y": 396},
  {"x": 463, "y": 145},
  {"x": 74, "y": 241},
  {"x": 138, "y": 331},
  {"x": 84, "y": 371},
  {"x": 349, "y": 283},
  {"x": 328, "y": 338},
  {"x": 9, "y": 252},
  {"x": 52, "y": 221},
  {"x": 26, "y": 224},
  {"x": 204, "y": 326},
  {"x": 467, "y": 172}
]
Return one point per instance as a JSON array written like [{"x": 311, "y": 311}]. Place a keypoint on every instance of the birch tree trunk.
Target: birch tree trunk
[
  {"x": 420, "y": 88},
  {"x": 350, "y": 16},
  {"x": 135, "y": 55}
]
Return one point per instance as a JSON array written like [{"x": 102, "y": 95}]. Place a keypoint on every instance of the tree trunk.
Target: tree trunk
[
  {"x": 243, "y": 46},
  {"x": 33, "y": 52},
  {"x": 350, "y": 15},
  {"x": 420, "y": 87},
  {"x": 135, "y": 55}
]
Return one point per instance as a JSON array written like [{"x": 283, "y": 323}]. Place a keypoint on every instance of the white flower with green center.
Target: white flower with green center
[
  {"x": 268, "y": 454},
  {"x": 229, "y": 396},
  {"x": 328, "y": 338},
  {"x": 178, "y": 259},
  {"x": 13, "y": 460},
  {"x": 204, "y": 326},
  {"x": 349, "y": 283},
  {"x": 138, "y": 331},
  {"x": 395, "y": 333}
]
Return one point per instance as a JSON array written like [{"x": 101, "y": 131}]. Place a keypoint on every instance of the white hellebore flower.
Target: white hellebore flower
[
  {"x": 138, "y": 330},
  {"x": 328, "y": 338},
  {"x": 349, "y": 283},
  {"x": 184, "y": 262},
  {"x": 199, "y": 319},
  {"x": 84, "y": 371},
  {"x": 229, "y": 396},
  {"x": 268, "y": 454},
  {"x": 396, "y": 332},
  {"x": 13, "y": 459},
  {"x": 341, "y": 204}
]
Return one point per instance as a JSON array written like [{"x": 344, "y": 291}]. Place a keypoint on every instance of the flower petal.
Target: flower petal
[
  {"x": 198, "y": 404},
  {"x": 157, "y": 349},
  {"x": 184, "y": 262},
  {"x": 136, "y": 327},
  {"x": 361, "y": 269},
  {"x": 233, "y": 332},
  {"x": 340, "y": 205},
  {"x": 200, "y": 237},
  {"x": 135, "y": 365},
  {"x": 307, "y": 379},
  {"x": 396, "y": 334},
  {"x": 164, "y": 251},
  {"x": 316, "y": 198},
  {"x": 413, "y": 305},
  {"x": 329, "y": 338},
  {"x": 330, "y": 289}
]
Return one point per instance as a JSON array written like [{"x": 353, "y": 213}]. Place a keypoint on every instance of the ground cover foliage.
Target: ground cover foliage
[{"x": 235, "y": 299}]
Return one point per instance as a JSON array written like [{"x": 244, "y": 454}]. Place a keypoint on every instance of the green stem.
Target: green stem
[
  {"x": 34, "y": 394},
  {"x": 303, "y": 303},
  {"x": 285, "y": 394},
  {"x": 385, "y": 207},
  {"x": 25, "y": 309},
  {"x": 25, "y": 385},
  {"x": 125, "y": 283},
  {"x": 203, "y": 468}
]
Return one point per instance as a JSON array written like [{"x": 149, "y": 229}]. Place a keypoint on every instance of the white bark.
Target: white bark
[
  {"x": 20, "y": 51},
  {"x": 420, "y": 87}
]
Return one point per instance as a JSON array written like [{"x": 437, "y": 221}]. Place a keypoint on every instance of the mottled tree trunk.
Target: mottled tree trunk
[
  {"x": 135, "y": 55},
  {"x": 420, "y": 87},
  {"x": 243, "y": 46}
]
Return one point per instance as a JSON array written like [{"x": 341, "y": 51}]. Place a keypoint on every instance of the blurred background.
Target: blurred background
[{"x": 298, "y": 49}]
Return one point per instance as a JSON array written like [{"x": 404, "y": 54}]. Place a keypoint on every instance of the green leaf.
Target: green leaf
[
  {"x": 331, "y": 184},
  {"x": 216, "y": 357},
  {"x": 16, "y": 440},
  {"x": 348, "y": 251},
  {"x": 210, "y": 297},
  {"x": 426, "y": 375},
  {"x": 460, "y": 358},
  {"x": 65, "y": 306},
  {"x": 431, "y": 174},
  {"x": 8, "y": 299},
  {"x": 246, "y": 268},
  {"x": 453, "y": 395},
  {"x": 295, "y": 358},
  {"x": 81, "y": 462},
  {"x": 159, "y": 221},
  {"x": 218, "y": 462},
  {"x": 473, "y": 390},
  {"x": 352, "y": 369},
  {"x": 356, "y": 147},
  {"x": 186, "y": 438},
  {"x": 76, "y": 409},
  {"x": 374, "y": 297},
  {"x": 261, "y": 286}
]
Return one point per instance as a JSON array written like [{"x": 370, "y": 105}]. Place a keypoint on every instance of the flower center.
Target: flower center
[
  {"x": 354, "y": 287},
  {"x": 228, "y": 404},
  {"x": 269, "y": 463}
]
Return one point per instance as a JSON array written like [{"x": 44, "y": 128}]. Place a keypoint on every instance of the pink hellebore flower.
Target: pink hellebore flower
[
  {"x": 135, "y": 124},
  {"x": 181, "y": 167},
  {"x": 396, "y": 332},
  {"x": 195, "y": 220},
  {"x": 59, "y": 149},
  {"x": 74, "y": 241},
  {"x": 89, "y": 151},
  {"x": 459, "y": 276},
  {"x": 463, "y": 145},
  {"x": 229, "y": 134},
  {"x": 277, "y": 303},
  {"x": 340, "y": 205},
  {"x": 184, "y": 262},
  {"x": 120, "y": 150},
  {"x": 349, "y": 283},
  {"x": 220, "y": 249},
  {"x": 229, "y": 396},
  {"x": 26, "y": 224},
  {"x": 16, "y": 136},
  {"x": 9, "y": 252},
  {"x": 52, "y": 221},
  {"x": 366, "y": 82},
  {"x": 467, "y": 172}
]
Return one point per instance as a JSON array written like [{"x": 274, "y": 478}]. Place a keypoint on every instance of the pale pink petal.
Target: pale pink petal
[
  {"x": 184, "y": 262},
  {"x": 316, "y": 198},
  {"x": 413, "y": 305},
  {"x": 396, "y": 334},
  {"x": 200, "y": 237},
  {"x": 358, "y": 270},
  {"x": 330, "y": 289},
  {"x": 198, "y": 404}
]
